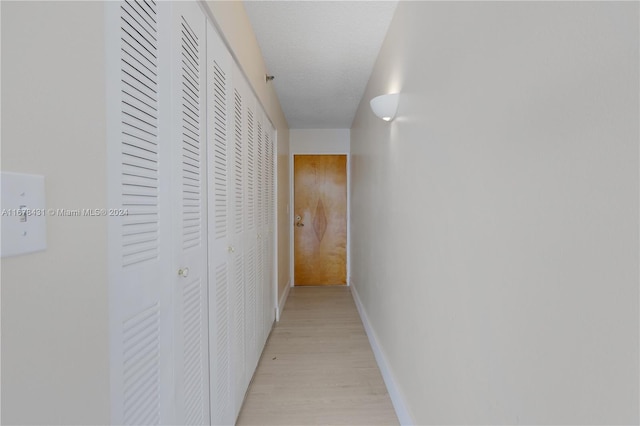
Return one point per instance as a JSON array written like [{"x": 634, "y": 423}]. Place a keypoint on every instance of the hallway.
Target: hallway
[
  {"x": 318, "y": 367},
  {"x": 149, "y": 212}
]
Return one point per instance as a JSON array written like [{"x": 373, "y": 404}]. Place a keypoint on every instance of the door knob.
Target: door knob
[
  {"x": 299, "y": 224},
  {"x": 231, "y": 249},
  {"x": 183, "y": 272}
]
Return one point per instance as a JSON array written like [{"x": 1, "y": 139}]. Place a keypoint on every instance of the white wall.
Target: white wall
[
  {"x": 495, "y": 231},
  {"x": 320, "y": 141},
  {"x": 55, "y": 357}
]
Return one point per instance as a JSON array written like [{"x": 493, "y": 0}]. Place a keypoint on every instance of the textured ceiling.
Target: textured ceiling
[{"x": 321, "y": 53}]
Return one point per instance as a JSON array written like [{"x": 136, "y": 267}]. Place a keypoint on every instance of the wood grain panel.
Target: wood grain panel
[
  {"x": 317, "y": 367},
  {"x": 320, "y": 237}
]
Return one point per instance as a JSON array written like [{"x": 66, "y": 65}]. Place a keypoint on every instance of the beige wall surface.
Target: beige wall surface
[
  {"x": 320, "y": 141},
  {"x": 232, "y": 20},
  {"x": 495, "y": 231},
  {"x": 55, "y": 357}
]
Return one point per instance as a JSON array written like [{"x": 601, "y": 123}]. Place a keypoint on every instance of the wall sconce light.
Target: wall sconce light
[{"x": 385, "y": 106}]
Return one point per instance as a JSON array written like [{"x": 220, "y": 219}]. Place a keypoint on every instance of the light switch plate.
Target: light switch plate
[{"x": 23, "y": 214}]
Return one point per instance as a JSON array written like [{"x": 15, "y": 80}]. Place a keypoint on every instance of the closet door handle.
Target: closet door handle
[{"x": 183, "y": 272}]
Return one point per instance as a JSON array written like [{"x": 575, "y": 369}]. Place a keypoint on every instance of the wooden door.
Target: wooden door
[{"x": 320, "y": 219}]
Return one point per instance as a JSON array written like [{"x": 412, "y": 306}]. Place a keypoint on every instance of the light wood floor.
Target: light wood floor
[{"x": 317, "y": 367}]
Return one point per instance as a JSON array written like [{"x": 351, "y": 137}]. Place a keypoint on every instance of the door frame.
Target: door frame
[{"x": 290, "y": 211}]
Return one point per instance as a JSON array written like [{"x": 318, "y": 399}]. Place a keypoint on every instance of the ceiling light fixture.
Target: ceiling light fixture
[{"x": 385, "y": 106}]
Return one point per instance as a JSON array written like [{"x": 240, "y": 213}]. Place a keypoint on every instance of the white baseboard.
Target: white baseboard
[
  {"x": 397, "y": 399},
  {"x": 283, "y": 300}
]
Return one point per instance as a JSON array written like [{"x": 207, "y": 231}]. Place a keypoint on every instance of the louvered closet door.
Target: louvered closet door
[
  {"x": 269, "y": 246},
  {"x": 220, "y": 155},
  {"x": 263, "y": 235},
  {"x": 238, "y": 229},
  {"x": 251, "y": 235},
  {"x": 263, "y": 266},
  {"x": 138, "y": 157},
  {"x": 273, "y": 244},
  {"x": 190, "y": 218},
  {"x": 261, "y": 197}
]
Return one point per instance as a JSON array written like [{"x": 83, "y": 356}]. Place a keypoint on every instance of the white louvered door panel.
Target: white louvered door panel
[
  {"x": 220, "y": 153},
  {"x": 190, "y": 221},
  {"x": 270, "y": 298},
  {"x": 262, "y": 235},
  {"x": 271, "y": 245},
  {"x": 269, "y": 268},
  {"x": 261, "y": 199},
  {"x": 238, "y": 336},
  {"x": 138, "y": 158},
  {"x": 253, "y": 230},
  {"x": 190, "y": 265},
  {"x": 251, "y": 193},
  {"x": 237, "y": 244},
  {"x": 250, "y": 315}
]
